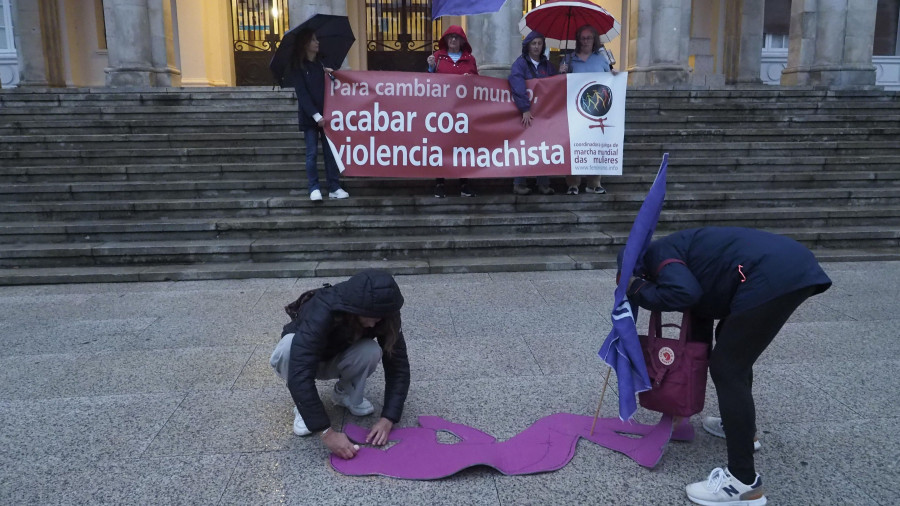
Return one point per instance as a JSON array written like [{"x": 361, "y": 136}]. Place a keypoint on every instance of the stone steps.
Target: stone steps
[
  {"x": 283, "y": 114},
  {"x": 288, "y": 153},
  {"x": 640, "y": 166},
  {"x": 694, "y": 135},
  {"x": 277, "y": 185},
  {"x": 285, "y": 121},
  {"x": 337, "y": 268},
  {"x": 245, "y": 206},
  {"x": 404, "y": 248},
  {"x": 363, "y": 224},
  {"x": 100, "y": 185},
  {"x": 742, "y": 94}
]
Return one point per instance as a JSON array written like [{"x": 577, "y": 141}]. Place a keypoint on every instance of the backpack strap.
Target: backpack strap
[
  {"x": 293, "y": 309},
  {"x": 667, "y": 262}
]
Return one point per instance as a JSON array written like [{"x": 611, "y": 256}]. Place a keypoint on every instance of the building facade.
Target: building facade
[{"x": 709, "y": 43}]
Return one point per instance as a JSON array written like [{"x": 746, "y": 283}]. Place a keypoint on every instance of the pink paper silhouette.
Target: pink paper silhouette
[{"x": 547, "y": 445}]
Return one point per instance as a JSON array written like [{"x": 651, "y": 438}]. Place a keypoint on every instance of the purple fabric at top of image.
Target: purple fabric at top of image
[
  {"x": 464, "y": 7},
  {"x": 547, "y": 445},
  {"x": 622, "y": 349}
]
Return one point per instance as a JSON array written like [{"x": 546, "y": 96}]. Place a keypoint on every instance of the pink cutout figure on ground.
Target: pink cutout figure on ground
[{"x": 547, "y": 445}]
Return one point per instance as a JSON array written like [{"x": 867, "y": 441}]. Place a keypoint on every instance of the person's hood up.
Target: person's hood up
[
  {"x": 638, "y": 265},
  {"x": 455, "y": 30},
  {"x": 530, "y": 37},
  {"x": 372, "y": 293}
]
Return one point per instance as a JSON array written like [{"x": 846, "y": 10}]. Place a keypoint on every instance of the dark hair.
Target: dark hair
[
  {"x": 303, "y": 39},
  {"x": 389, "y": 330},
  {"x": 596, "y": 34},
  {"x": 350, "y": 329}
]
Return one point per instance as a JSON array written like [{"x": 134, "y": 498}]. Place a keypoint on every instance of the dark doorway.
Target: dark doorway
[
  {"x": 400, "y": 34},
  {"x": 257, "y": 27}
]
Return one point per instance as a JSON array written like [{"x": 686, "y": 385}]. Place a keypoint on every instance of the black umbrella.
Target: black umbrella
[{"x": 335, "y": 38}]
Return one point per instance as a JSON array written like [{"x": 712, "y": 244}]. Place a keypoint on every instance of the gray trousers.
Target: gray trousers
[{"x": 351, "y": 367}]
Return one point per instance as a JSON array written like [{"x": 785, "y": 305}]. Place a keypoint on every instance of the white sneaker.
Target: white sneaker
[
  {"x": 338, "y": 194},
  {"x": 721, "y": 488},
  {"x": 315, "y": 195},
  {"x": 299, "y": 425},
  {"x": 362, "y": 409},
  {"x": 713, "y": 425}
]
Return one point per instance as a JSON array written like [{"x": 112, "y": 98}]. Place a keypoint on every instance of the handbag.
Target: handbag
[{"x": 677, "y": 369}]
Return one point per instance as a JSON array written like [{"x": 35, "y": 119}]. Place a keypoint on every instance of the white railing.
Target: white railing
[{"x": 887, "y": 69}]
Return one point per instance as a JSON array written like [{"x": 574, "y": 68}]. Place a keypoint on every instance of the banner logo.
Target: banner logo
[{"x": 594, "y": 102}]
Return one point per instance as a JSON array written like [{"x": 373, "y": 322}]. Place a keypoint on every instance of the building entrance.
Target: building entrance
[
  {"x": 400, "y": 34},
  {"x": 257, "y": 27}
]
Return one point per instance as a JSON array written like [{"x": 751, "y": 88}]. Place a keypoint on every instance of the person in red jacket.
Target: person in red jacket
[{"x": 454, "y": 56}]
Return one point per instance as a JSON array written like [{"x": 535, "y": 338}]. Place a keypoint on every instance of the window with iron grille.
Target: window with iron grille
[
  {"x": 257, "y": 27},
  {"x": 400, "y": 34}
]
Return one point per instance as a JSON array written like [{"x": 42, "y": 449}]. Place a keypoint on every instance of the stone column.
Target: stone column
[
  {"x": 301, "y": 10},
  {"x": 36, "y": 23},
  {"x": 831, "y": 43},
  {"x": 743, "y": 41},
  {"x": 495, "y": 39},
  {"x": 659, "y": 42},
  {"x": 141, "y": 43}
]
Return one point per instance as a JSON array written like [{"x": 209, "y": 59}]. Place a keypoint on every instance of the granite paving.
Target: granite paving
[{"x": 161, "y": 393}]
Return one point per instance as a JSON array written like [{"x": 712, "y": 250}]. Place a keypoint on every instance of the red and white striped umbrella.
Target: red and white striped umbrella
[{"x": 557, "y": 21}]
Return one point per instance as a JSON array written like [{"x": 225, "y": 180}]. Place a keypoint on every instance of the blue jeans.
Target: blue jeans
[
  {"x": 541, "y": 181},
  {"x": 313, "y": 136}
]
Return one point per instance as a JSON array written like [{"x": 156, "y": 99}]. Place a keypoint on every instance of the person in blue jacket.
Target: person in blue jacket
[
  {"x": 308, "y": 77},
  {"x": 751, "y": 281},
  {"x": 531, "y": 64}
]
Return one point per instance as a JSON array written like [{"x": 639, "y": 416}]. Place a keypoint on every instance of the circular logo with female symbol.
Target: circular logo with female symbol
[
  {"x": 595, "y": 100},
  {"x": 666, "y": 355}
]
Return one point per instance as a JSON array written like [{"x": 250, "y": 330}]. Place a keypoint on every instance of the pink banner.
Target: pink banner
[{"x": 400, "y": 124}]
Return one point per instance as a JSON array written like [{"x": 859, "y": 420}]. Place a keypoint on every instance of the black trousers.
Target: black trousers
[{"x": 740, "y": 340}]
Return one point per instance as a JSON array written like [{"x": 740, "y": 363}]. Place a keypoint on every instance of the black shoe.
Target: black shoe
[
  {"x": 465, "y": 191},
  {"x": 439, "y": 191}
]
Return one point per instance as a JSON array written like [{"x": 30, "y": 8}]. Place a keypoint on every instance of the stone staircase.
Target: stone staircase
[{"x": 158, "y": 184}]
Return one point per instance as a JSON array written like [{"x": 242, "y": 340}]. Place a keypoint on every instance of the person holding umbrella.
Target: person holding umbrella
[
  {"x": 751, "y": 281},
  {"x": 531, "y": 64},
  {"x": 589, "y": 56},
  {"x": 555, "y": 19},
  {"x": 307, "y": 74},
  {"x": 454, "y": 56}
]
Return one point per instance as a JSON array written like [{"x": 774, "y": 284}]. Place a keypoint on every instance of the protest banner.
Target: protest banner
[{"x": 401, "y": 124}]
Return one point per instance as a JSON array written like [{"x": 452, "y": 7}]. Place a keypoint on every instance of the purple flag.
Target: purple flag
[
  {"x": 463, "y": 7},
  {"x": 622, "y": 350}
]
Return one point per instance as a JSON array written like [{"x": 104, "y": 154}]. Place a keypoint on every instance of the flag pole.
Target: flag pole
[{"x": 602, "y": 393}]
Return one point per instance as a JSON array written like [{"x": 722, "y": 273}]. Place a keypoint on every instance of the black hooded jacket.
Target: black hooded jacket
[
  {"x": 319, "y": 336},
  {"x": 721, "y": 271},
  {"x": 309, "y": 85}
]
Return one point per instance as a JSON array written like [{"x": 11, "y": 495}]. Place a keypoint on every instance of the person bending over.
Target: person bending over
[
  {"x": 341, "y": 333},
  {"x": 751, "y": 281}
]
